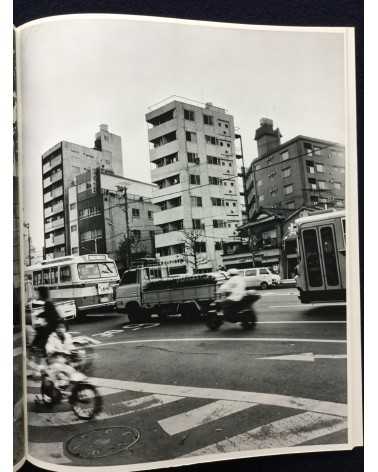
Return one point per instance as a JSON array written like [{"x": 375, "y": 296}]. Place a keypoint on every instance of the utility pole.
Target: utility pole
[
  {"x": 128, "y": 248},
  {"x": 27, "y": 226}
]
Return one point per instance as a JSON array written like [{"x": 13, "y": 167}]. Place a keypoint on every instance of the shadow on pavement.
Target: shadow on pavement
[{"x": 335, "y": 312}]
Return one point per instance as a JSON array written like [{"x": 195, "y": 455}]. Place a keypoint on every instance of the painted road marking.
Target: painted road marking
[
  {"x": 66, "y": 418},
  {"x": 203, "y": 415},
  {"x": 301, "y": 322},
  {"x": 304, "y": 357},
  {"x": 51, "y": 452},
  {"x": 17, "y": 351},
  {"x": 275, "y": 294},
  {"x": 285, "y": 401},
  {"x": 180, "y": 340},
  {"x": 287, "y": 432},
  {"x": 307, "y": 306}
]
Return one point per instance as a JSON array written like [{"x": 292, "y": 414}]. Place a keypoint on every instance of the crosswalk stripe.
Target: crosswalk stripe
[
  {"x": 50, "y": 452},
  {"x": 66, "y": 418},
  {"x": 290, "y": 431},
  {"x": 285, "y": 401},
  {"x": 203, "y": 415}
]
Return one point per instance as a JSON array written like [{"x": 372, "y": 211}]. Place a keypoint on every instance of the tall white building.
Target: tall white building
[{"x": 192, "y": 154}]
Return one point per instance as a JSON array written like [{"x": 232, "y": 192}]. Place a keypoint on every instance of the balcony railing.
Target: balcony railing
[
  {"x": 53, "y": 178},
  {"x": 51, "y": 164},
  {"x": 54, "y": 209},
  {"x": 53, "y": 194}
]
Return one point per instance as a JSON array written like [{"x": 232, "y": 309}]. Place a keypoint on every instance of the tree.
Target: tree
[
  {"x": 192, "y": 241},
  {"x": 128, "y": 251}
]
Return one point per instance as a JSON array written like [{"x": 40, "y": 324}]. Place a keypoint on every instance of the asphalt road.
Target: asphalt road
[{"x": 178, "y": 390}]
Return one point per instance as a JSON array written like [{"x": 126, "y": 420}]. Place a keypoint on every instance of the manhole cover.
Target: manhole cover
[{"x": 102, "y": 442}]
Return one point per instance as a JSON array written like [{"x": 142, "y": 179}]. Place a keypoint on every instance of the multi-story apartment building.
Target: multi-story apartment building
[
  {"x": 97, "y": 215},
  {"x": 300, "y": 172},
  {"x": 192, "y": 153},
  {"x": 60, "y": 166}
]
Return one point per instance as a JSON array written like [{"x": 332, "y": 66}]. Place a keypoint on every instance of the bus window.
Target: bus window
[
  {"x": 65, "y": 274},
  {"x": 88, "y": 271},
  {"x": 129, "y": 277},
  {"x": 329, "y": 255},
  {"x": 155, "y": 273},
  {"x": 54, "y": 275},
  {"x": 311, "y": 255},
  {"x": 107, "y": 269},
  {"x": 46, "y": 276},
  {"x": 37, "y": 278}
]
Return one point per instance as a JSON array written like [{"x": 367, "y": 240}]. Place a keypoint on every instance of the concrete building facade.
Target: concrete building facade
[
  {"x": 97, "y": 215},
  {"x": 61, "y": 164},
  {"x": 193, "y": 159},
  {"x": 300, "y": 172}
]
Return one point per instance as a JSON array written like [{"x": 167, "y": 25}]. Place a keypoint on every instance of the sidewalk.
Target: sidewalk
[{"x": 287, "y": 283}]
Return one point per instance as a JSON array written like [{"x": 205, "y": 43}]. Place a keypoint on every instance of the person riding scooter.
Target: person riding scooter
[{"x": 235, "y": 290}]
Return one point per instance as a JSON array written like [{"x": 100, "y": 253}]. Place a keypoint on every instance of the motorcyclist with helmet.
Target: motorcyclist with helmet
[{"x": 235, "y": 290}]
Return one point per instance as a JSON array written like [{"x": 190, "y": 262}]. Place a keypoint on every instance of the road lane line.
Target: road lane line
[
  {"x": 285, "y": 401},
  {"x": 51, "y": 452},
  {"x": 306, "y": 307},
  {"x": 66, "y": 418},
  {"x": 291, "y": 431},
  {"x": 170, "y": 340},
  {"x": 203, "y": 415}
]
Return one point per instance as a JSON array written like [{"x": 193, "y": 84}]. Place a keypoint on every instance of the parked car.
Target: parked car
[{"x": 260, "y": 277}]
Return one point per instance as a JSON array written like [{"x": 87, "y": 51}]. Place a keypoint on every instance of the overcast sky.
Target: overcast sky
[{"x": 78, "y": 73}]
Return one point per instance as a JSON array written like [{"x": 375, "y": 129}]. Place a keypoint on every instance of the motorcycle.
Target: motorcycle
[
  {"x": 245, "y": 314},
  {"x": 61, "y": 381}
]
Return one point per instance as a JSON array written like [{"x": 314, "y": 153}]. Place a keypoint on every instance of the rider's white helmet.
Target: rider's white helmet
[{"x": 233, "y": 272}]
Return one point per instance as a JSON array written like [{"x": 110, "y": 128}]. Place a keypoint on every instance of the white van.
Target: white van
[{"x": 260, "y": 277}]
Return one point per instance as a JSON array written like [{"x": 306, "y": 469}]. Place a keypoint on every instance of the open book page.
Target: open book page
[
  {"x": 18, "y": 358},
  {"x": 190, "y": 209}
]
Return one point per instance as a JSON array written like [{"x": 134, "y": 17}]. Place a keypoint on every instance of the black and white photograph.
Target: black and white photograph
[{"x": 189, "y": 236}]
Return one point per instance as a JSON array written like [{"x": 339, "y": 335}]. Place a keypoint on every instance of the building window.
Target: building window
[
  {"x": 314, "y": 199},
  {"x": 195, "y": 179},
  {"x": 208, "y": 120},
  {"x": 259, "y": 183},
  {"x": 319, "y": 168},
  {"x": 193, "y": 158},
  {"x": 167, "y": 138},
  {"x": 72, "y": 206},
  {"x": 219, "y": 224},
  {"x": 217, "y": 201},
  {"x": 150, "y": 213},
  {"x": 257, "y": 167},
  {"x": 75, "y": 250},
  {"x": 88, "y": 212},
  {"x": 288, "y": 189},
  {"x": 308, "y": 148},
  {"x": 312, "y": 183},
  {"x": 135, "y": 212},
  {"x": 189, "y": 115},
  {"x": 317, "y": 150},
  {"x": 290, "y": 205},
  {"x": 284, "y": 156},
  {"x": 200, "y": 246},
  {"x": 213, "y": 160},
  {"x": 196, "y": 201},
  {"x": 310, "y": 167},
  {"x": 261, "y": 198},
  {"x": 197, "y": 224},
  {"x": 215, "y": 180},
  {"x": 73, "y": 228},
  {"x": 190, "y": 136},
  {"x": 321, "y": 184},
  {"x": 218, "y": 245},
  {"x": 286, "y": 172},
  {"x": 337, "y": 185},
  {"x": 269, "y": 238},
  {"x": 211, "y": 139},
  {"x": 339, "y": 203}
]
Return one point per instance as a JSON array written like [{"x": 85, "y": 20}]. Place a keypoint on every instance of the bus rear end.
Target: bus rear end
[{"x": 321, "y": 247}]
